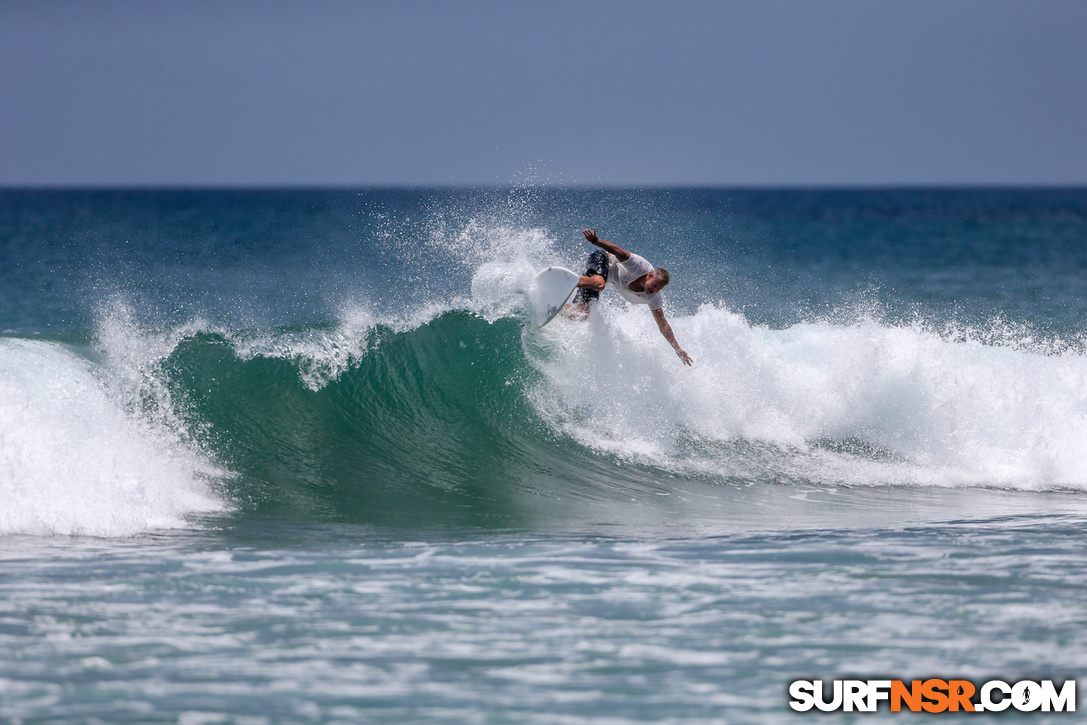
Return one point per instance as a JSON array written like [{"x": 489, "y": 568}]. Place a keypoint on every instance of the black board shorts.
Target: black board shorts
[{"x": 596, "y": 264}]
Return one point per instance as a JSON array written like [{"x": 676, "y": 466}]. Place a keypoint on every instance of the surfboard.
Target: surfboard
[{"x": 549, "y": 292}]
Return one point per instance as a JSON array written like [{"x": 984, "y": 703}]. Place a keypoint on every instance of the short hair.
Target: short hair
[{"x": 662, "y": 274}]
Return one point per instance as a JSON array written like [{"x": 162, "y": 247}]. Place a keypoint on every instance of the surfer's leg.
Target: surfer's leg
[{"x": 596, "y": 265}]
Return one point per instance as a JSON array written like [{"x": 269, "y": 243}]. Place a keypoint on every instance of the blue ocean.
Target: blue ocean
[{"x": 292, "y": 456}]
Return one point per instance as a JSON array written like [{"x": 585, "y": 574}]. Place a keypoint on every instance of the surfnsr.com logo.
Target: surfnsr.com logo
[{"x": 933, "y": 695}]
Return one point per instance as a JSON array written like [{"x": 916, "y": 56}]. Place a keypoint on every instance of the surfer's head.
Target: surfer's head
[{"x": 658, "y": 280}]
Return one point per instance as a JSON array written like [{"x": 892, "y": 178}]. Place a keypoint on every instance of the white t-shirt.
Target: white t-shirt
[{"x": 621, "y": 274}]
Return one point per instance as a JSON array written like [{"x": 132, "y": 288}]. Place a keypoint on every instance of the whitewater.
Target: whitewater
[{"x": 294, "y": 456}]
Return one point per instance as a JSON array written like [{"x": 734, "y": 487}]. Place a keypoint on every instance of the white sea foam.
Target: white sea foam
[
  {"x": 321, "y": 355},
  {"x": 857, "y": 403},
  {"x": 76, "y": 458}
]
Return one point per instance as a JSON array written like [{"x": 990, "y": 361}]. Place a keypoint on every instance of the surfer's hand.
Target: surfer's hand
[
  {"x": 590, "y": 235},
  {"x": 684, "y": 356}
]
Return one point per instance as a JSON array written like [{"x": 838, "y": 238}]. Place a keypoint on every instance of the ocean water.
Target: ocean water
[{"x": 289, "y": 456}]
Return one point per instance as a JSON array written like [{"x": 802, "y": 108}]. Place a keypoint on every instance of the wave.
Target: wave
[{"x": 461, "y": 415}]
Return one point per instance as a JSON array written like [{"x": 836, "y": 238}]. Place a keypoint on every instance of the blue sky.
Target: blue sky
[{"x": 767, "y": 92}]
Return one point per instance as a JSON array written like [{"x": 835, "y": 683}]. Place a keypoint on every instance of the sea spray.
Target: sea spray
[{"x": 320, "y": 354}]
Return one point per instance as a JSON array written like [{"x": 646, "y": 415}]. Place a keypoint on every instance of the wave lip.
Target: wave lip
[{"x": 73, "y": 461}]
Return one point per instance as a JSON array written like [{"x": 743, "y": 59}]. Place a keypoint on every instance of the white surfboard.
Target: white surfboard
[{"x": 549, "y": 292}]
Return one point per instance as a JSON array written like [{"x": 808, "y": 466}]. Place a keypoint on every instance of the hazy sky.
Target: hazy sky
[{"x": 404, "y": 92}]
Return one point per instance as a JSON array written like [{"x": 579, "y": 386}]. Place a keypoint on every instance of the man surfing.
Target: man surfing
[{"x": 633, "y": 277}]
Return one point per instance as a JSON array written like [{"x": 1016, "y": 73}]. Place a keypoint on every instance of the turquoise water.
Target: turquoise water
[{"x": 289, "y": 456}]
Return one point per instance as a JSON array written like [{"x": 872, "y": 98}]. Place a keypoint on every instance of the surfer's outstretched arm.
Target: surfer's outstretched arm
[
  {"x": 621, "y": 254},
  {"x": 666, "y": 330}
]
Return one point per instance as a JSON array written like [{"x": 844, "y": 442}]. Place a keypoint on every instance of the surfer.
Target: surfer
[{"x": 632, "y": 276}]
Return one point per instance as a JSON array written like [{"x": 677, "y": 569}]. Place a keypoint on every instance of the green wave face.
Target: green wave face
[{"x": 432, "y": 424}]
